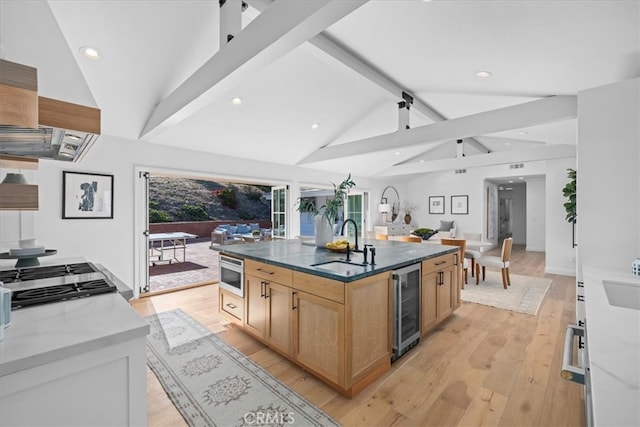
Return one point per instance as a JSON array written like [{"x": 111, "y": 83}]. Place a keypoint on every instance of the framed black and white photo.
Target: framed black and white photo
[
  {"x": 86, "y": 195},
  {"x": 436, "y": 204},
  {"x": 460, "y": 205}
]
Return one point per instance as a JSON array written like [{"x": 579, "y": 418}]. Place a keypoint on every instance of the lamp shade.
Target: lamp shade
[{"x": 384, "y": 208}]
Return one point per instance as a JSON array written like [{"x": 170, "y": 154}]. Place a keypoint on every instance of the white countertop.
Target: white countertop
[
  {"x": 48, "y": 332},
  {"x": 613, "y": 342}
]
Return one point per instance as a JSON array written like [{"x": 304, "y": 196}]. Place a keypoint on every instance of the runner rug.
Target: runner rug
[
  {"x": 213, "y": 384},
  {"x": 524, "y": 295}
]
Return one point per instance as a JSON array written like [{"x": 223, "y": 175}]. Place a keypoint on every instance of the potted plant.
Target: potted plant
[
  {"x": 569, "y": 191},
  {"x": 408, "y": 209},
  {"x": 326, "y": 214},
  {"x": 423, "y": 233}
]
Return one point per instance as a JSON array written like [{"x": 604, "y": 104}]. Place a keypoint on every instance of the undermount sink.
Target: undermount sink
[
  {"x": 623, "y": 294},
  {"x": 342, "y": 267}
]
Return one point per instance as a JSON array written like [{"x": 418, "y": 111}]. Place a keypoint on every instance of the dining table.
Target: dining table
[
  {"x": 473, "y": 245},
  {"x": 478, "y": 245}
]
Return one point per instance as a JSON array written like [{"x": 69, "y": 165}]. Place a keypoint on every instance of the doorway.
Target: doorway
[
  {"x": 512, "y": 212},
  {"x": 174, "y": 231},
  {"x": 355, "y": 207}
]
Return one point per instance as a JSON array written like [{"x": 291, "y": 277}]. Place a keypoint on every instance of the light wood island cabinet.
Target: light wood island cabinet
[
  {"x": 269, "y": 304},
  {"x": 439, "y": 290},
  {"x": 340, "y": 331},
  {"x": 232, "y": 306}
]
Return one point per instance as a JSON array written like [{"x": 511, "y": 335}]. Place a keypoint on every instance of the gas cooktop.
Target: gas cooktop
[{"x": 40, "y": 285}]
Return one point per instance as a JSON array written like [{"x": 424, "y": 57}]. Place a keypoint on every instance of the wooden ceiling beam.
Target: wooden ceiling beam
[
  {"x": 545, "y": 110},
  {"x": 282, "y": 27}
]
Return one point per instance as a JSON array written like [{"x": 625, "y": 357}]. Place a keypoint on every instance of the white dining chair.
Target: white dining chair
[
  {"x": 501, "y": 262},
  {"x": 472, "y": 254}
]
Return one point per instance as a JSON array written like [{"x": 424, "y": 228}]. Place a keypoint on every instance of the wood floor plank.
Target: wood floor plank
[
  {"x": 482, "y": 367},
  {"x": 485, "y": 409}
]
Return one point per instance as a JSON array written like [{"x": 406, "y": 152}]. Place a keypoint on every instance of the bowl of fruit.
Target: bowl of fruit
[{"x": 339, "y": 246}]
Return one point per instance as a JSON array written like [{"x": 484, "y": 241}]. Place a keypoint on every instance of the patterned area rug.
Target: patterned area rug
[
  {"x": 213, "y": 384},
  {"x": 524, "y": 295}
]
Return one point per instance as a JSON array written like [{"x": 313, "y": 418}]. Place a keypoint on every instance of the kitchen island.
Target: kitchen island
[
  {"x": 613, "y": 346},
  {"x": 334, "y": 318},
  {"x": 75, "y": 362}
]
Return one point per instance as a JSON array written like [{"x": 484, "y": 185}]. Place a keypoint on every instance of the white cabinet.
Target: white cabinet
[
  {"x": 80, "y": 362},
  {"x": 106, "y": 386},
  {"x": 393, "y": 229}
]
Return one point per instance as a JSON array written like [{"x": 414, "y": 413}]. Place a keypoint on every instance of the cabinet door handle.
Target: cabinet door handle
[
  {"x": 265, "y": 271},
  {"x": 262, "y": 288},
  {"x": 440, "y": 262},
  {"x": 232, "y": 306},
  {"x": 266, "y": 290},
  {"x": 293, "y": 300}
]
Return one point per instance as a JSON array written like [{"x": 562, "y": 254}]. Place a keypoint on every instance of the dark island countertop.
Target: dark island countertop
[{"x": 294, "y": 255}]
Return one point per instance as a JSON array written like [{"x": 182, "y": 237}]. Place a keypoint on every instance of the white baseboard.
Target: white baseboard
[
  {"x": 534, "y": 249},
  {"x": 560, "y": 271}
]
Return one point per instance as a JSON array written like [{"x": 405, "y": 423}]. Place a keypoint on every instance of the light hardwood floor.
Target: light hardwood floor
[{"x": 483, "y": 366}]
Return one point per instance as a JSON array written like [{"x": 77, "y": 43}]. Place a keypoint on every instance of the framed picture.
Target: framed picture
[
  {"x": 436, "y": 204},
  {"x": 86, "y": 195},
  {"x": 460, "y": 205}
]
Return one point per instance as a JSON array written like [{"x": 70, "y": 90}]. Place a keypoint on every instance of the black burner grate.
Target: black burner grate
[
  {"x": 35, "y": 273},
  {"x": 29, "y": 297}
]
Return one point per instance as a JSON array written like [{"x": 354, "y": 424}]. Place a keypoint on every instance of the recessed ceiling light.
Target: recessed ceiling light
[
  {"x": 522, "y": 132},
  {"x": 315, "y": 126},
  {"x": 521, "y": 177},
  {"x": 236, "y": 101},
  {"x": 484, "y": 74},
  {"x": 510, "y": 182},
  {"x": 507, "y": 144},
  {"x": 421, "y": 160},
  {"x": 90, "y": 52}
]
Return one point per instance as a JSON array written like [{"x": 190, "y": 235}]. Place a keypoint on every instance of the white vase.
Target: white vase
[{"x": 324, "y": 231}]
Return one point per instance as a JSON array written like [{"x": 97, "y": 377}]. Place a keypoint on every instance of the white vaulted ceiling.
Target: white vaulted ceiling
[{"x": 432, "y": 50}]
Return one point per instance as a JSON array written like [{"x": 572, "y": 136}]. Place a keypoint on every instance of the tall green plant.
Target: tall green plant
[
  {"x": 569, "y": 191},
  {"x": 332, "y": 206}
]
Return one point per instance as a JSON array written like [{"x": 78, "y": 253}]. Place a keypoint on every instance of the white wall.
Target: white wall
[
  {"x": 447, "y": 183},
  {"x": 608, "y": 197},
  {"x": 111, "y": 241},
  {"x": 554, "y": 231},
  {"x": 536, "y": 214},
  {"x": 560, "y": 256}
]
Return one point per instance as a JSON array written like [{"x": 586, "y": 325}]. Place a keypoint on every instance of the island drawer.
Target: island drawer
[
  {"x": 438, "y": 263},
  {"x": 319, "y": 286},
  {"x": 231, "y": 304},
  {"x": 269, "y": 272}
]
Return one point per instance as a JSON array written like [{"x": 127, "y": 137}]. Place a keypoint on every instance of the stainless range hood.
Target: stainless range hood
[
  {"x": 37, "y": 127},
  {"x": 45, "y": 142}
]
